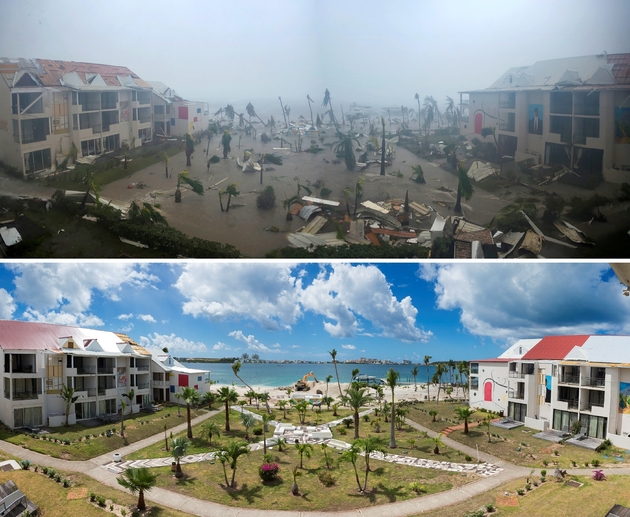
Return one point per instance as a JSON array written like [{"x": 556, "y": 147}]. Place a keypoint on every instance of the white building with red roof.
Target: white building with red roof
[
  {"x": 104, "y": 368},
  {"x": 552, "y": 382}
]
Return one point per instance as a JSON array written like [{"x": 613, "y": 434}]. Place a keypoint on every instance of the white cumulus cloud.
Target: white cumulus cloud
[
  {"x": 220, "y": 291},
  {"x": 7, "y": 305},
  {"x": 251, "y": 342},
  {"x": 172, "y": 342},
  {"x": 147, "y": 317},
  {"x": 513, "y": 301},
  {"x": 349, "y": 347}
]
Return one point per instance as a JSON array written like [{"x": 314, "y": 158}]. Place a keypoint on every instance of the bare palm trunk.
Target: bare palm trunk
[{"x": 286, "y": 125}]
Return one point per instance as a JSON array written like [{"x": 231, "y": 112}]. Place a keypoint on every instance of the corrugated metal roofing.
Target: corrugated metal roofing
[
  {"x": 26, "y": 335},
  {"x": 50, "y": 72},
  {"x": 554, "y": 347},
  {"x": 604, "y": 349}
]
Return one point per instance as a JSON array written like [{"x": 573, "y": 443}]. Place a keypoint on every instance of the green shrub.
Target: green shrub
[
  {"x": 326, "y": 478},
  {"x": 66, "y": 483},
  {"x": 490, "y": 508},
  {"x": 92, "y": 497},
  {"x": 520, "y": 491},
  {"x": 267, "y": 199},
  {"x": 101, "y": 501},
  {"x": 257, "y": 431},
  {"x": 25, "y": 464}
]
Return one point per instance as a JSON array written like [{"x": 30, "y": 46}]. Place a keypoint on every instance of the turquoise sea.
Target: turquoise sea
[{"x": 274, "y": 375}]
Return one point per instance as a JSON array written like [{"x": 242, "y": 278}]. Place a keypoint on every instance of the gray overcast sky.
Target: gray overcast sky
[{"x": 371, "y": 52}]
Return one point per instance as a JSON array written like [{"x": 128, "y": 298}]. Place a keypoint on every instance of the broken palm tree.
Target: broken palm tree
[{"x": 194, "y": 184}]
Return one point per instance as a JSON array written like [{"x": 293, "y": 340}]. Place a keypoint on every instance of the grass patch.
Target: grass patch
[
  {"x": 52, "y": 497},
  {"x": 137, "y": 427},
  {"x": 387, "y": 483},
  {"x": 551, "y": 499}
]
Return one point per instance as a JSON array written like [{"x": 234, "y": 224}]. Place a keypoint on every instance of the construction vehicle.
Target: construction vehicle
[{"x": 301, "y": 384}]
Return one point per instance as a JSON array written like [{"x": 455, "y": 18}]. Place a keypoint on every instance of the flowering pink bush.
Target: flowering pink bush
[
  {"x": 598, "y": 475},
  {"x": 268, "y": 471}
]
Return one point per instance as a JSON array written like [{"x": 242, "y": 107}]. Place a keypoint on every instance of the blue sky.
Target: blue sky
[{"x": 302, "y": 310}]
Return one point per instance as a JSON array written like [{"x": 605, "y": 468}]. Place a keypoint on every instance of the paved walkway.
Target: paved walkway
[{"x": 94, "y": 468}]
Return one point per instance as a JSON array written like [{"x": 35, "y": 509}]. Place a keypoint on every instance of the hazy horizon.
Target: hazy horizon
[{"x": 363, "y": 52}]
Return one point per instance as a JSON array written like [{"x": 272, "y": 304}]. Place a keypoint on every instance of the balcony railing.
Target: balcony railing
[
  {"x": 516, "y": 395},
  {"x": 569, "y": 379},
  {"x": 593, "y": 381},
  {"x": 91, "y": 392},
  {"x": 516, "y": 375},
  {"x": 25, "y": 395},
  {"x": 144, "y": 120},
  {"x": 86, "y": 370},
  {"x": 142, "y": 368},
  {"x": 101, "y": 392},
  {"x": 571, "y": 403},
  {"x": 106, "y": 370},
  {"x": 143, "y": 386}
]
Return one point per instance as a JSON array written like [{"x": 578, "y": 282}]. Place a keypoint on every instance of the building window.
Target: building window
[
  {"x": 28, "y": 416},
  {"x": 172, "y": 121},
  {"x": 561, "y": 103},
  {"x": 198, "y": 110},
  {"x": 563, "y": 420},
  {"x": 37, "y": 160},
  {"x": 158, "y": 109},
  {"x": 507, "y": 100},
  {"x": 75, "y": 122},
  {"x": 474, "y": 368},
  {"x": 107, "y": 407},
  {"x": 517, "y": 411},
  {"x": 593, "y": 426},
  {"x": 35, "y": 130},
  {"x": 111, "y": 143},
  {"x": 172, "y": 389},
  {"x": 199, "y": 378},
  {"x": 91, "y": 147},
  {"x": 144, "y": 97},
  {"x": 474, "y": 383},
  {"x": 135, "y": 113},
  {"x": 109, "y": 100}
]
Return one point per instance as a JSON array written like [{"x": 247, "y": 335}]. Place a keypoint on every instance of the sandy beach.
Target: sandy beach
[{"x": 406, "y": 392}]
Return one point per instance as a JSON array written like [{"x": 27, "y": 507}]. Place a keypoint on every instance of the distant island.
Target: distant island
[{"x": 229, "y": 360}]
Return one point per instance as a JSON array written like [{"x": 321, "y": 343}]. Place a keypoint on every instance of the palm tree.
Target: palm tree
[
  {"x": 282, "y": 404},
  {"x": 308, "y": 98},
  {"x": 391, "y": 380},
  {"x": 232, "y": 452},
  {"x": 231, "y": 191},
  {"x": 464, "y": 186},
  {"x": 414, "y": 373},
  {"x": 450, "y": 109},
  {"x": 351, "y": 455},
  {"x": 225, "y": 142},
  {"x": 228, "y": 396},
  {"x": 344, "y": 147},
  {"x": 236, "y": 368},
  {"x": 356, "y": 398},
  {"x": 178, "y": 396},
  {"x": 487, "y": 422},
  {"x": 147, "y": 214},
  {"x": 417, "y": 97},
  {"x": 427, "y": 360},
  {"x": 265, "y": 420},
  {"x": 130, "y": 396},
  {"x": 431, "y": 103},
  {"x": 123, "y": 406},
  {"x": 383, "y": 148},
  {"x": 328, "y": 379},
  {"x": 464, "y": 413},
  {"x": 179, "y": 449},
  {"x": 229, "y": 112},
  {"x": 252, "y": 113},
  {"x": 190, "y": 396},
  {"x": 183, "y": 177},
  {"x": 301, "y": 408},
  {"x": 248, "y": 420},
  {"x": 284, "y": 114},
  {"x": 433, "y": 413},
  {"x": 358, "y": 194},
  {"x": 190, "y": 148},
  {"x": 369, "y": 445},
  {"x": 437, "y": 442},
  {"x": 164, "y": 158},
  {"x": 138, "y": 481},
  {"x": 304, "y": 449},
  {"x": 68, "y": 396},
  {"x": 209, "y": 398},
  {"x": 210, "y": 429},
  {"x": 327, "y": 102},
  {"x": 333, "y": 354}
]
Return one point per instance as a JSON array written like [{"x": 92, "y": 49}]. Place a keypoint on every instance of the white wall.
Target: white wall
[{"x": 495, "y": 373}]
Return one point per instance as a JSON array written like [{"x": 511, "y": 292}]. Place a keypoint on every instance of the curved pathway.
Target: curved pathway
[{"x": 94, "y": 469}]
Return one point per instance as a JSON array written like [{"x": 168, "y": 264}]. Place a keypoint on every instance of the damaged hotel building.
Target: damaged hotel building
[
  {"x": 571, "y": 112},
  {"x": 47, "y": 105}
]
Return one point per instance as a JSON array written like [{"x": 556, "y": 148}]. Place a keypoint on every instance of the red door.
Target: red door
[
  {"x": 487, "y": 391},
  {"x": 478, "y": 123},
  {"x": 183, "y": 380}
]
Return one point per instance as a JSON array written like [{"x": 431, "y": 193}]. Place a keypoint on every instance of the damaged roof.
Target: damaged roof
[
  {"x": 78, "y": 75},
  {"x": 27, "y": 335}
]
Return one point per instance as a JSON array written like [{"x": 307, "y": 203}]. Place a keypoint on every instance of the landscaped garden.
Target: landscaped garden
[{"x": 78, "y": 442}]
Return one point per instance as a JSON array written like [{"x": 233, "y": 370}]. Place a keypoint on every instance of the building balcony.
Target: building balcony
[
  {"x": 571, "y": 403},
  {"x": 516, "y": 375},
  {"x": 86, "y": 370},
  {"x": 516, "y": 395},
  {"x": 594, "y": 382},
  {"x": 24, "y": 395},
  {"x": 569, "y": 379},
  {"x": 143, "y": 385},
  {"x": 143, "y": 368},
  {"x": 106, "y": 371}
]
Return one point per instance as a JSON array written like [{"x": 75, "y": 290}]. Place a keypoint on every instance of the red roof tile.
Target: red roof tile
[
  {"x": 554, "y": 347},
  {"x": 54, "y": 71},
  {"x": 26, "y": 335}
]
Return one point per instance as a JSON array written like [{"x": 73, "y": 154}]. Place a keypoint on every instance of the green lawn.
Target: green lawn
[
  {"x": 517, "y": 446},
  {"x": 53, "y": 501},
  {"x": 550, "y": 499},
  {"x": 137, "y": 427},
  {"x": 387, "y": 483}
]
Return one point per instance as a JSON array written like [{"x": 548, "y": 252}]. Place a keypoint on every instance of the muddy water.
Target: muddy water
[{"x": 245, "y": 226}]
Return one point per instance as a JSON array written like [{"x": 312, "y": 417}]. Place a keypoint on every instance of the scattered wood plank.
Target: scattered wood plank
[
  {"x": 213, "y": 187},
  {"x": 315, "y": 225},
  {"x": 373, "y": 238},
  {"x": 394, "y": 233}
]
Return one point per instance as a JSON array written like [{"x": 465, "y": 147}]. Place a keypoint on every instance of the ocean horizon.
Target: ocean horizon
[{"x": 274, "y": 375}]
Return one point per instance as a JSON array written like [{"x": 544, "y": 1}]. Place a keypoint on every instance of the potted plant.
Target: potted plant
[
  {"x": 294, "y": 488},
  {"x": 376, "y": 423}
]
